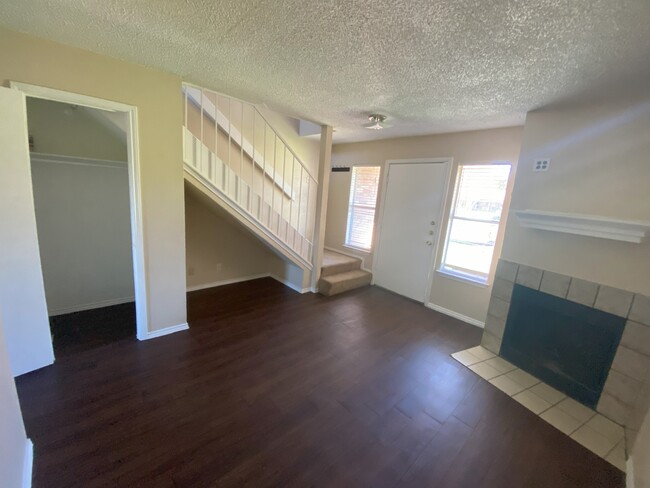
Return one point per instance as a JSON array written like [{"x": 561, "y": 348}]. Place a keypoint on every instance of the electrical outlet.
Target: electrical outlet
[{"x": 542, "y": 164}]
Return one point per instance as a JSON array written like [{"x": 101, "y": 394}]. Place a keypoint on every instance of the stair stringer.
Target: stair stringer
[{"x": 245, "y": 219}]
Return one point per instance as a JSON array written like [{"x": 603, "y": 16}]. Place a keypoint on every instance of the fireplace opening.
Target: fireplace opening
[{"x": 568, "y": 345}]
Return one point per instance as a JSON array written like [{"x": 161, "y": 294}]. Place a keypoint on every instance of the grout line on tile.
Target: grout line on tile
[{"x": 623, "y": 442}]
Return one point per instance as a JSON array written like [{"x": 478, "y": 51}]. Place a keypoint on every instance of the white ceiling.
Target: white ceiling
[{"x": 430, "y": 66}]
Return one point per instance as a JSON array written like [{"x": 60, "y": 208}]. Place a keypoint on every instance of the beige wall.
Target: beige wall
[
  {"x": 13, "y": 439},
  {"x": 156, "y": 94},
  {"x": 600, "y": 165},
  {"x": 57, "y": 128},
  {"x": 489, "y": 145},
  {"x": 291, "y": 275},
  {"x": 214, "y": 238},
  {"x": 337, "y": 215}
]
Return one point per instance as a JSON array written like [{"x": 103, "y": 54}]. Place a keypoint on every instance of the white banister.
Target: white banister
[{"x": 234, "y": 182}]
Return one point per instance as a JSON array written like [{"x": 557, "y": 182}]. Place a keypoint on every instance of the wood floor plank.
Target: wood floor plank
[{"x": 273, "y": 388}]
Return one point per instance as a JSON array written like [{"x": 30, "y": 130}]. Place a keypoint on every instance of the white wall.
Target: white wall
[
  {"x": 600, "y": 165},
  {"x": 640, "y": 456},
  {"x": 59, "y": 128},
  {"x": 462, "y": 298},
  {"x": 14, "y": 446},
  {"x": 22, "y": 299},
  {"x": 637, "y": 436},
  {"x": 84, "y": 233}
]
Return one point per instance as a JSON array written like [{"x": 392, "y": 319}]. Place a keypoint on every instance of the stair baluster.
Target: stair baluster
[{"x": 267, "y": 206}]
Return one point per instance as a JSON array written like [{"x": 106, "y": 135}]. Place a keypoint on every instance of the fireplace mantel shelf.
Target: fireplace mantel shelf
[{"x": 635, "y": 231}]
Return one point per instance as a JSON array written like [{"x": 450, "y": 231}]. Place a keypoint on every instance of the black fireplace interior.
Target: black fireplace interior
[{"x": 567, "y": 345}]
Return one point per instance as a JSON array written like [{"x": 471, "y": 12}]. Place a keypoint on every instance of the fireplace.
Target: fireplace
[
  {"x": 570, "y": 331},
  {"x": 568, "y": 345}
]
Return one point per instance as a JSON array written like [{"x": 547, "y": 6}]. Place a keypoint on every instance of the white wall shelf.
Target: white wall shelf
[{"x": 585, "y": 225}]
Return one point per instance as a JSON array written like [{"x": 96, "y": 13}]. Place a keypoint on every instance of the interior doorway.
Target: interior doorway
[
  {"x": 87, "y": 210},
  {"x": 415, "y": 192},
  {"x": 80, "y": 181}
]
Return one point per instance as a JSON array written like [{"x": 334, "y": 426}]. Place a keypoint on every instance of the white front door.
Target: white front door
[{"x": 415, "y": 194}]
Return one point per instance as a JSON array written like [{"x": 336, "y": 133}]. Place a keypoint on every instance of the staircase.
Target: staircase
[
  {"x": 341, "y": 273},
  {"x": 233, "y": 156}
]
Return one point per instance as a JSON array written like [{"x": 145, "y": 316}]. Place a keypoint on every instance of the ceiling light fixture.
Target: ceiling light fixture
[{"x": 375, "y": 122}]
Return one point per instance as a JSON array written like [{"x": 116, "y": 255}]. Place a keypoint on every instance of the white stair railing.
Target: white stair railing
[{"x": 232, "y": 149}]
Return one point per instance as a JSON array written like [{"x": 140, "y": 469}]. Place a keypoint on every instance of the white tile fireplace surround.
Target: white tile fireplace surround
[{"x": 631, "y": 364}]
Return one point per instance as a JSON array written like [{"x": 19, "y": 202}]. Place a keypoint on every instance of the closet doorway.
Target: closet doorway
[{"x": 83, "y": 166}]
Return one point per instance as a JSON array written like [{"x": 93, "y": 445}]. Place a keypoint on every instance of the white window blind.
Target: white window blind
[
  {"x": 361, "y": 210},
  {"x": 474, "y": 220}
]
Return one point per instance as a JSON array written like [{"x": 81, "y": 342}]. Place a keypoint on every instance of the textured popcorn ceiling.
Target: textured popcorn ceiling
[{"x": 431, "y": 66}]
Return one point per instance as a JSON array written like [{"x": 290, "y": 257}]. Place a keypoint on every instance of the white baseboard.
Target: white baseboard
[
  {"x": 291, "y": 285},
  {"x": 629, "y": 473},
  {"x": 163, "y": 332},
  {"x": 90, "y": 306},
  {"x": 249, "y": 278},
  {"x": 456, "y": 315},
  {"x": 348, "y": 253},
  {"x": 227, "y": 282},
  {"x": 28, "y": 464}
]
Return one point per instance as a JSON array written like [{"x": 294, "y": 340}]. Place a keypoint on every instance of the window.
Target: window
[
  {"x": 361, "y": 211},
  {"x": 474, "y": 220}
]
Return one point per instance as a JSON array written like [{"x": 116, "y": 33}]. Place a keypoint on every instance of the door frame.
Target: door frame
[
  {"x": 448, "y": 162},
  {"x": 140, "y": 277}
]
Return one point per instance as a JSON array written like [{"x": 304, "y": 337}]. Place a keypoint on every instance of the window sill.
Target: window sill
[
  {"x": 463, "y": 278},
  {"x": 358, "y": 249}
]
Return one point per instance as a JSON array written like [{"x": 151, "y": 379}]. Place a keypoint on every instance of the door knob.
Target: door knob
[
  {"x": 429, "y": 243},
  {"x": 433, "y": 222}
]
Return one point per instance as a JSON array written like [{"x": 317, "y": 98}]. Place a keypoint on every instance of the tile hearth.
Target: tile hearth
[
  {"x": 587, "y": 427},
  {"x": 620, "y": 399}
]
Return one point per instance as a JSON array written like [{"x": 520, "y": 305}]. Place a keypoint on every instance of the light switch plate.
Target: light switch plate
[{"x": 542, "y": 164}]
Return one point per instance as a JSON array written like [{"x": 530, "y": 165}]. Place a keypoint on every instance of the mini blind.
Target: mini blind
[
  {"x": 361, "y": 209},
  {"x": 481, "y": 192},
  {"x": 474, "y": 220}
]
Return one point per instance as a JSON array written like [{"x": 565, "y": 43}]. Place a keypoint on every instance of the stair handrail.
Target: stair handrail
[{"x": 279, "y": 136}]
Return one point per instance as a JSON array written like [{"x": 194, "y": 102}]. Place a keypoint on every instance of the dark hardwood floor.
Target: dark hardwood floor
[
  {"x": 273, "y": 388},
  {"x": 81, "y": 331}
]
